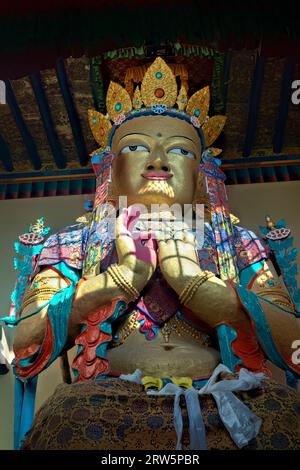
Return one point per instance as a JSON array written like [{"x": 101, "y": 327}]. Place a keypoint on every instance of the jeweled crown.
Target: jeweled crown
[{"x": 158, "y": 94}]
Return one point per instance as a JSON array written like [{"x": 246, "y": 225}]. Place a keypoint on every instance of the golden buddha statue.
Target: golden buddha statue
[{"x": 155, "y": 314}]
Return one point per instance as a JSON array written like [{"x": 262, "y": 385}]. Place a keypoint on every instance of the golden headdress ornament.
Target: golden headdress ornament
[{"x": 158, "y": 94}]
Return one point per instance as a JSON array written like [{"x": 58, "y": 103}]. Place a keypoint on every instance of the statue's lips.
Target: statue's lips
[{"x": 157, "y": 175}]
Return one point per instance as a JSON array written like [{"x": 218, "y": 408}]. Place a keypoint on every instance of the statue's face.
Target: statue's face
[{"x": 157, "y": 159}]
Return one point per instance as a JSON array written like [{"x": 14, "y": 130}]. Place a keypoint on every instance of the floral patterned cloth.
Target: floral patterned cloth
[
  {"x": 111, "y": 414},
  {"x": 70, "y": 244}
]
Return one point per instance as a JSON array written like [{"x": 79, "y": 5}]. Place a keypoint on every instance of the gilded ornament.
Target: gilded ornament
[
  {"x": 198, "y": 104},
  {"x": 213, "y": 128},
  {"x": 137, "y": 99},
  {"x": 182, "y": 99},
  {"x": 192, "y": 287},
  {"x": 213, "y": 152},
  {"x": 117, "y": 101},
  {"x": 159, "y": 85},
  {"x": 159, "y": 93},
  {"x": 116, "y": 274},
  {"x": 100, "y": 126}
]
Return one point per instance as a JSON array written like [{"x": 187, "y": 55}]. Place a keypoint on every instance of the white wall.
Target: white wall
[
  {"x": 249, "y": 202},
  {"x": 15, "y": 216}
]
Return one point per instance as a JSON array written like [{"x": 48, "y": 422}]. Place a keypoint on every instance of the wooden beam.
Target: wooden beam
[
  {"x": 5, "y": 155},
  {"x": 46, "y": 116},
  {"x": 254, "y": 101},
  {"x": 72, "y": 112},
  {"x": 21, "y": 125},
  {"x": 283, "y": 108}
]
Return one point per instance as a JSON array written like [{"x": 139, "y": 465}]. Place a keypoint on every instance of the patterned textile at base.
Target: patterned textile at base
[{"x": 112, "y": 414}]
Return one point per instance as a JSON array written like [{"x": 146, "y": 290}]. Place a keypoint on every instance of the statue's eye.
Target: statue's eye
[
  {"x": 181, "y": 151},
  {"x": 134, "y": 148}
]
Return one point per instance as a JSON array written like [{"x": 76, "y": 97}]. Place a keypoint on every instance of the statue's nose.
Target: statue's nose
[
  {"x": 159, "y": 166},
  {"x": 158, "y": 161}
]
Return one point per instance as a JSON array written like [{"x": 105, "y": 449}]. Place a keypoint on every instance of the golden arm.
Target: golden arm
[
  {"x": 215, "y": 302},
  {"x": 91, "y": 294}
]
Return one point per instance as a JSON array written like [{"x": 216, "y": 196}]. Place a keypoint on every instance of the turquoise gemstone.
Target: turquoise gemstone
[
  {"x": 197, "y": 112},
  {"x": 118, "y": 107},
  {"x": 158, "y": 75},
  {"x": 94, "y": 120}
]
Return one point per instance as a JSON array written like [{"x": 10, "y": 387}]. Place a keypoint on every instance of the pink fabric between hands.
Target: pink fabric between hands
[{"x": 144, "y": 246}]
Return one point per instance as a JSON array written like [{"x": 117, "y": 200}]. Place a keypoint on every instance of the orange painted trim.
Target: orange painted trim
[
  {"x": 60, "y": 274},
  {"x": 87, "y": 363},
  {"x": 43, "y": 357},
  {"x": 260, "y": 271}
]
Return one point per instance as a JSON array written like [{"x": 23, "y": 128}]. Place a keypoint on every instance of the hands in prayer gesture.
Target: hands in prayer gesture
[{"x": 140, "y": 252}]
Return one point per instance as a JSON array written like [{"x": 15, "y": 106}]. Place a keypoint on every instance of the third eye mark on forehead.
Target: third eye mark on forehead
[{"x": 158, "y": 135}]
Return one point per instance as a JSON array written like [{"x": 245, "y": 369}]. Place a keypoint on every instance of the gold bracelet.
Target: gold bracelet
[
  {"x": 191, "y": 288},
  {"x": 35, "y": 299},
  {"x": 33, "y": 295},
  {"x": 41, "y": 290},
  {"x": 122, "y": 282},
  {"x": 117, "y": 276}
]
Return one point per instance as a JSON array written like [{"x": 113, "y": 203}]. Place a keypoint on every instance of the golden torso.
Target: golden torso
[{"x": 183, "y": 353}]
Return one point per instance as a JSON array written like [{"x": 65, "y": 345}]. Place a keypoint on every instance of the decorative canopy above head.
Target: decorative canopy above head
[{"x": 157, "y": 94}]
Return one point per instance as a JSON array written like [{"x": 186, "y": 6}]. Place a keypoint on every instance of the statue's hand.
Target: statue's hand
[
  {"x": 137, "y": 255},
  {"x": 178, "y": 259}
]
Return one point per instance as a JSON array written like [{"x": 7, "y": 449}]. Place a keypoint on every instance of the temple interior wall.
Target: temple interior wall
[{"x": 249, "y": 202}]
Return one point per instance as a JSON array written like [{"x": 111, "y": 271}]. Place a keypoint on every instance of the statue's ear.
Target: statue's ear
[
  {"x": 112, "y": 190},
  {"x": 200, "y": 194}
]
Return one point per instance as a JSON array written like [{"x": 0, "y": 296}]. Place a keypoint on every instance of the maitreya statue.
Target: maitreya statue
[{"x": 173, "y": 327}]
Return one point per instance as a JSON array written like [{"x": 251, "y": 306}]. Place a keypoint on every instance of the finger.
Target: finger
[
  {"x": 179, "y": 235},
  {"x": 189, "y": 237},
  {"x": 121, "y": 224},
  {"x": 158, "y": 235},
  {"x": 133, "y": 213}
]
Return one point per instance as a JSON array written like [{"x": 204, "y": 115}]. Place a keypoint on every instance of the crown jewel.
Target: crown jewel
[{"x": 158, "y": 94}]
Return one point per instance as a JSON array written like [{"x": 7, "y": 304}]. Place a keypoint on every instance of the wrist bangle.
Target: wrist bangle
[
  {"x": 38, "y": 294},
  {"x": 191, "y": 288},
  {"x": 120, "y": 280}
]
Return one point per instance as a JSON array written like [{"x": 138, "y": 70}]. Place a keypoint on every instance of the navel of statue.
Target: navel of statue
[{"x": 172, "y": 306}]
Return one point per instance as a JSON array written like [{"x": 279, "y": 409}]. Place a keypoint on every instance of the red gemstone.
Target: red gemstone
[{"x": 159, "y": 93}]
